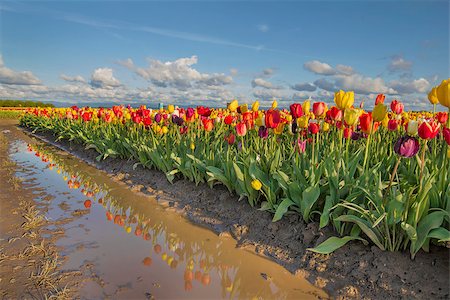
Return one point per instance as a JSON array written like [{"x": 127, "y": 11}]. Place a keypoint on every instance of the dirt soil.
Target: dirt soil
[
  {"x": 353, "y": 271},
  {"x": 29, "y": 263}
]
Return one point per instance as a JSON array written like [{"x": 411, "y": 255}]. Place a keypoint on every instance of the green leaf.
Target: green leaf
[
  {"x": 442, "y": 234},
  {"x": 282, "y": 209},
  {"x": 334, "y": 243},
  {"x": 364, "y": 227},
  {"x": 237, "y": 170},
  {"x": 310, "y": 196},
  {"x": 432, "y": 221}
]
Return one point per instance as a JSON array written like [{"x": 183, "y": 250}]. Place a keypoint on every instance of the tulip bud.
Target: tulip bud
[
  {"x": 233, "y": 105},
  {"x": 380, "y": 99},
  {"x": 351, "y": 116},
  {"x": 256, "y": 184},
  {"x": 446, "y": 134},
  {"x": 325, "y": 127},
  {"x": 274, "y": 104},
  {"x": 170, "y": 108},
  {"x": 344, "y": 99},
  {"x": 255, "y": 106},
  {"x": 241, "y": 129},
  {"x": 306, "y": 106},
  {"x": 432, "y": 96},
  {"x": 412, "y": 127},
  {"x": 319, "y": 109},
  {"x": 379, "y": 112},
  {"x": 443, "y": 93}
]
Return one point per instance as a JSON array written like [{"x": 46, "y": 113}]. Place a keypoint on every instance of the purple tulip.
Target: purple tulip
[
  {"x": 407, "y": 146},
  {"x": 263, "y": 132},
  {"x": 158, "y": 118},
  {"x": 177, "y": 120}
]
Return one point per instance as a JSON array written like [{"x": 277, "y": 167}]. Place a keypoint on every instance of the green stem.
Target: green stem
[{"x": 366, "y": 154}]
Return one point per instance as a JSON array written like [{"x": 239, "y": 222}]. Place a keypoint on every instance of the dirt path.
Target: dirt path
[
  {"x": 29, "y": 263},
  {"x": 354, "y": 271}
]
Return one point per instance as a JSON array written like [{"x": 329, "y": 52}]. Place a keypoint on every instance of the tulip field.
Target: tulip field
[{"x": 380, "y": 176}]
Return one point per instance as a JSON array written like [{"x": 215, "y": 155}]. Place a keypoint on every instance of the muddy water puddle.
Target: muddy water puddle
[{"x": 128, "y": 246}]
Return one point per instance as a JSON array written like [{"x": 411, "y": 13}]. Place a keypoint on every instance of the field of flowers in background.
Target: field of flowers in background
[{"x": 381, "y": 176}]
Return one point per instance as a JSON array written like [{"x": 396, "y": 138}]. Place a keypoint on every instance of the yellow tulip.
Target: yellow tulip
[
  {"x": 288, "y": 118},
  {"x": 255, "y": 106},
  {"x": 165, "y": 129},
  {"x": 259, "y": 121},
  {"x": 306, "y": 106},
  {"x": 325, "y": 127},
  {"x": 432, "y": 96},
  {"x": 128, "y": 229},
  {"x": 385, "y": 121},
  {"x": 344, "y": 99},
  {"x": 303, "y": 121},
  {"x": 244, "y": 108},
  {"x": 279, "y": 129},
  {"x": 233, "y": 105},
  {"x": 256, "y": 185},
  {"x": 274, "y": 104},
  {"x": 443, "y": 93},
  {"x": 170, "y": 108},
  {"x": 351, "y": 116},
  {"x": 379, "y": 112},
  {"x": 192, "y": 146}
]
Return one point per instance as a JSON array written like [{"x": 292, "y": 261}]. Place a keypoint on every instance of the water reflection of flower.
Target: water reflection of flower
[{"x": 200, "y": 259}]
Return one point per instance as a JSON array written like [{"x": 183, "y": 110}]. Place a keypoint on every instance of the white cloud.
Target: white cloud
[
  {"x": 318, "y": 67},
  {"x": 77, "y": 78},
  {"x": 304, "y": 87},
  {"x": 362, "y": 84},
  {"x": 103, "y": 78},
  {"x": 324, "y": 84},
  {"x": 266, "y": 94},
  {"x": 420, "y": 85},
  {"x": 178, "y": 73},
  {"x": 399, "y": 64},
  {"x": 259, "y": 82},
  {"x": 345, "y": 70},
  {"x": 9, "y": 76}
]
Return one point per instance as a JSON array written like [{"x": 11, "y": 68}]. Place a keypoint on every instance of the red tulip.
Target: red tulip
[
  {"x": 380, "y": 99},
  {"x": 428, "y": 130},
  {"x": 203, "y": 111},
  {"x": 319, "y": 108},
  {"x": 347, "y": 133},
  {"x": 442, "y": 117},
  {"x": 296, "y": 110},
  {"x": 87, "y": 203},
  {"x": 87, "y": 116},
  {"x": 365, "y": 121},
  {"x": 446, "y": 134},
  {"x": 313, "y": 128},
  {"x": 228, "y": 120},
  {"x": 392, "y": 125},
  {"x": 147, "y": 121},
  {"x": 241, "y": 129},
  {"x": 272, "y": 118},
  {"x": 208, "y": 124},
  {"x": 231, "y": 138},
  {"x": 335, "y": 113},
  {"x": 396, "y": 107}
]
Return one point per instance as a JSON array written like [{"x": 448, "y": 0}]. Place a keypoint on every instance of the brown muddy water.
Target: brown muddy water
[{"x": 128, "y": 246}]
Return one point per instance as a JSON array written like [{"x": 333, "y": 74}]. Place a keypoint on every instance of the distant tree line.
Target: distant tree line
[{"x": 24, "y": 103}]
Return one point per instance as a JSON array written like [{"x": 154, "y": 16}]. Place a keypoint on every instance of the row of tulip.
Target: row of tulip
[{"x": 380, "y": 175}]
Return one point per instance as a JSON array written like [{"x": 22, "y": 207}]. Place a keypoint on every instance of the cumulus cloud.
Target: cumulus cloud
[
  {"x": 266, "y": 94},
  {"x": 363, "y": 84},
  {"x": 420, "y": 85},
  {"x": 259, "y": 82},
  {"x": 324, "y": 84},
  {"x": 345, "y": 70},
  {"x": 178, "y": 73},
  {"x": 77, "y": 78},
  {"x": 103, "y": 78},
  {"x": 318, "y": 67},
  {"x": 399, "y": 64},
  {"x": 9, "y": 76},
  {"x": 304, "y": 87}
]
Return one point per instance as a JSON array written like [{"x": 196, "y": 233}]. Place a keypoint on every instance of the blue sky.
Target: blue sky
[{"x": 193, "y": 52}]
